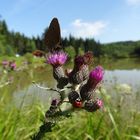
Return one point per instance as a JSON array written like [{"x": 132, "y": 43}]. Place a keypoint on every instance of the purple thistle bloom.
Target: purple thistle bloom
[
  {"x": 13, "y": 65},
  {"x": 5, "y": 62},
  {"x": 97, "y": 74},
  {"x": 95, "y": 77},
  {"x": 57, "y": 58}
]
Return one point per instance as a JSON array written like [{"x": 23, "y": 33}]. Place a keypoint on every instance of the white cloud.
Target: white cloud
[
  {"x": 133, "y": 2},
  {"x": 84, "y": 29}
]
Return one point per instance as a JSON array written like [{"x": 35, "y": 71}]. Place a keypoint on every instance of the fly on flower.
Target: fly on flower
[{"x": 53, "y": 36}]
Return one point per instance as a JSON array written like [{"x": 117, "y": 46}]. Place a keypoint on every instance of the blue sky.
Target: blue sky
[{"x": 104, "y": 20}]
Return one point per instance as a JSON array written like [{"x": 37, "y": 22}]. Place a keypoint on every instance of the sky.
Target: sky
[{"x": 104, "y": 20}]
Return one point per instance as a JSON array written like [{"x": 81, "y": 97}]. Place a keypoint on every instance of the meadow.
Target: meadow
[{"x": 23, "y": 107}]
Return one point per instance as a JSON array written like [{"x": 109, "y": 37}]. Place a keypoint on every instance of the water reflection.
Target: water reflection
[
  {"x": 130, "y": 77},
  {"x": 116, "y": 72}
]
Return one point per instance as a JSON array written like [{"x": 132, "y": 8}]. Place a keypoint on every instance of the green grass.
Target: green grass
[
  {"x": 119, "y": 119},
  {"x": 109, "y": 123}
]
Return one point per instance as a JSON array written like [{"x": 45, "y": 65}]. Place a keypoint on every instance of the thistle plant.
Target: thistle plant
[
  {"x": 79, "y": 81},
  {"x": 9, "y": 65},
  {"x": 82, "y": 97},
  {"x": 57, "y": 59}
]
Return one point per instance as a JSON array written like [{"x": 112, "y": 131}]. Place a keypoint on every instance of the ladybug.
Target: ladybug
[{"x": 77, "y": 103}]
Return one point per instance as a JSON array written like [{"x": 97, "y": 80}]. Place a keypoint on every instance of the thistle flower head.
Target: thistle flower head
[
  {"x": 92, "y": 106},
  {"x": 12, "y": 65},
  {"x": 79, "y": 61},
  {"x": 97, "y": 74},
  {"x": 88, "y": 58},
  {"x": 54, "y": 102},
  {"x": 98, "y": 103},
  {"x": 5, "y": 62},
  {"x": 57, "y": 58}
]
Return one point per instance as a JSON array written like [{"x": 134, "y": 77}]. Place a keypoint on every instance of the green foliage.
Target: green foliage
[
  {"x": 22, "y": 114},
  {"x": 70, "y": 51},
  {"x": 15, "y": 42},
  {"x": 29, "y": 57},
  {"x": 121, "y": 49},
  {"x": 9, "y": 51}
]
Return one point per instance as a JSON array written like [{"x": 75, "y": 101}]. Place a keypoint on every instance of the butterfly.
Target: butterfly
[{"x": 53, "y": 36}]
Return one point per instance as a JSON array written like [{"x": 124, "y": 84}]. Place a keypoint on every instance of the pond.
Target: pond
[{"x": 122, "y": 71}]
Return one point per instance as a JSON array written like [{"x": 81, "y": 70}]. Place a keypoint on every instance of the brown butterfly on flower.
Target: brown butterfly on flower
[{"x": 53, "y": 36}]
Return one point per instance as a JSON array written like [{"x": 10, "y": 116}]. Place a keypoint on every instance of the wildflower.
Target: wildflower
[
  {"x": 78, "y": 62},
  {"x": 92, "y": 106},
  {"x": 95, "y": 77},
  {"x": 5, "y": 62},
  {"x": 88, "y": 58},
  {"x": 76, "y": 76},
  {"x": 12, "y": 65},
  {"x": 124, "y": 88},
  {"x": 57, "y": 58},
  {"x": 54, "y": 102},
  {"x": 72, "y": 96},
  {"x": 98, "y": 103}
]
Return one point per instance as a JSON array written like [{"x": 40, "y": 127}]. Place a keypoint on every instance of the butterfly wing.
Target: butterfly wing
[{"x": 53, "y": 36}]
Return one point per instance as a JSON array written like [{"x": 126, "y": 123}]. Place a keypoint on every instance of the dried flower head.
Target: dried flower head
[
  {"x": 88, "y": 58},
  {"x": 92, "y": 106},
  {"x": 57, "y": 58},
  {"x": 54, "y": 102},
  {"x": 78, "y": 62}
]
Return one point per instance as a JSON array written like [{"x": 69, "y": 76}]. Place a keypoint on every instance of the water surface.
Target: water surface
[{"x": 122, "y": 71}]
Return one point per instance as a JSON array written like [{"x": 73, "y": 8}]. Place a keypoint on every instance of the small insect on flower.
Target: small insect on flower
[{"x": 77, "y": 103}]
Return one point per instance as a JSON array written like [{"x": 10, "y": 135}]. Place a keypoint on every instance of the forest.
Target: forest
[{"x": 12, "y": 43}]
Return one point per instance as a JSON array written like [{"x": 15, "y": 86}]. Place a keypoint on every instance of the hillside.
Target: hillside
[{"x": 12, "y": 43}]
